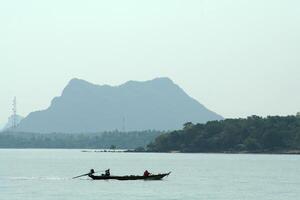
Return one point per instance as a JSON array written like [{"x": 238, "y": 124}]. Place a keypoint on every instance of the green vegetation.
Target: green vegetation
[
  {"x": 254, "y": 134},
  {"x": 112, "y": 140}
]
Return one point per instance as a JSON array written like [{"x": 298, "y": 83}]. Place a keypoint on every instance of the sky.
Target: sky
[{"x": 237, "y": 57}]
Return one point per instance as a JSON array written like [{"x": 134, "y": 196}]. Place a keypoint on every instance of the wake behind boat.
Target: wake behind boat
[{"x": 107, "y": 176}]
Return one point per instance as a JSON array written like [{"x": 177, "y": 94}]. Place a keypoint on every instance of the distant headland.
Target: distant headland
[{"x": 273, "y": 134}]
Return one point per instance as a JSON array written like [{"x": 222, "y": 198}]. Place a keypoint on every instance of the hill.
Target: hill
[
  {"x": 157, "y": 104},
  {"x": 254, "y": 134}
]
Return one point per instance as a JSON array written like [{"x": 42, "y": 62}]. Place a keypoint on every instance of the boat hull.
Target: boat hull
[{"x": 132, "y": 177}]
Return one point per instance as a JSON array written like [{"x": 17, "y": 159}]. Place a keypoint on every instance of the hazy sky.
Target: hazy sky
[{"x": 238, "y": 57}]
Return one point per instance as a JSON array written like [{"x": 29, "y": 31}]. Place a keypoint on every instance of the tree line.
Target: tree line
[
  {"x": 253, "y": 134},
  {"x": 114, "y": 139}
]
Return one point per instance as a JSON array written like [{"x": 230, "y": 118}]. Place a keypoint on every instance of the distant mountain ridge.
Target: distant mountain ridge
[{"x": 85, "y": 107}]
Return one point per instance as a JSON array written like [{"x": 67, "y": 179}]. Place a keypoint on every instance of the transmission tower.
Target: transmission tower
[{"x": 14, "y": 114}]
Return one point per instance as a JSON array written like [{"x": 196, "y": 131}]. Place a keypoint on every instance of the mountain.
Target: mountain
[
  {"x": 9, "y": 122},
  {"x": 85, "y": 107}
]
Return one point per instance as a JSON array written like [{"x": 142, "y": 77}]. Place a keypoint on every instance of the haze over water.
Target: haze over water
[{"x": 46, "y": 174}]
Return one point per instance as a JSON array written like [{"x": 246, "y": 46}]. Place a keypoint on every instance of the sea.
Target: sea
[{"x": 46, "y": 174}]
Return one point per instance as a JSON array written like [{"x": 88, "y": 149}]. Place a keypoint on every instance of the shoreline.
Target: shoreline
[
  {"x": 86, "y": 150},
  {"x": 296, "y": 152}
]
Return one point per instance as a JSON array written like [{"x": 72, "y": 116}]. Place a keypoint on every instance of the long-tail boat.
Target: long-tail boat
[
  {"x": 107, "y": 176},
  {"x": 130, "y": 177}
]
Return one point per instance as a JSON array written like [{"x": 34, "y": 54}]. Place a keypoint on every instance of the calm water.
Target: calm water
[{"x": 45, "y": 174}]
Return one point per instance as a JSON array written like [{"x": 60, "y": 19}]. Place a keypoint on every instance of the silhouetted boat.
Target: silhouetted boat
[{"x": 131, "y": 177}]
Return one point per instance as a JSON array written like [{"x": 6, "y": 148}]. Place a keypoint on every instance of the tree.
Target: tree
[
  {"x": 187, "y": 125},
  {"x": 252, "y": 144}
]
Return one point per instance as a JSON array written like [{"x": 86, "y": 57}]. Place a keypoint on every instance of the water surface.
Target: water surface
[{"x": 42, "y": 174}]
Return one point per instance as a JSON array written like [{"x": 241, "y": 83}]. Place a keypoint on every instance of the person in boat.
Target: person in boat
[
  {"x": 92, "y": 171},
  {"x": 107, "y": 172},
  {"x": 146, "y": 173}
]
